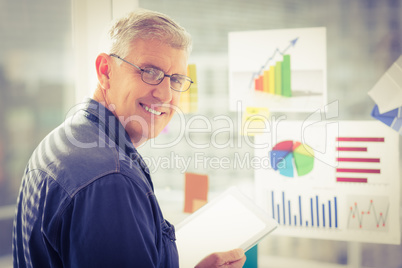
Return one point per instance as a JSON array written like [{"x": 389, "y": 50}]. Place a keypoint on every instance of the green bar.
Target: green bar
[
  {"x": 278, "y": 78},
  {"x": 286, "y": 85}
]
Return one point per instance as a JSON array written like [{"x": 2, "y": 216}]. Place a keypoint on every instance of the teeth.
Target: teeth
[{"x": 152, "y": 111}]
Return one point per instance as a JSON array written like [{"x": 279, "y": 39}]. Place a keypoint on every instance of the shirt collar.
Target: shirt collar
[{"x": 113, "y": 128}]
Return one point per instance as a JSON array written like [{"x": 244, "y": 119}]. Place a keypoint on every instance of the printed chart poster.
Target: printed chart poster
[
  {"x": 342, "y": 186},
  {"x": 283, "y": 70}
]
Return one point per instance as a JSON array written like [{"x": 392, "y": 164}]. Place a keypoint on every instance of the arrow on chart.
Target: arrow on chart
[{"x": 291, "y": 44}]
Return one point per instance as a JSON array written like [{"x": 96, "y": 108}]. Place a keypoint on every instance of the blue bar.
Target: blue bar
[
  {"x": 273, "y": 205},
  {"x": 336, "y": 214},
  {"x": 290, "y": 217},
  {"x": 295, "y": 221},
  {"x": 283, "y": 205},
  {"x": 312, "y": 217},
  {"x": 306, "y": 223},
  {"x": 300, "y": 212},
  {"x": 279, "y": 217},
  {"x": 329, "y": 213},
  {"x": 323, "y": 215},
  {"x": 316, "y": 205}
]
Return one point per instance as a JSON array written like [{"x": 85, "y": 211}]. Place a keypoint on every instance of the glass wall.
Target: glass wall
[
  {"x": 35, "y": 89},
  {"x": 363, "y": 39}
]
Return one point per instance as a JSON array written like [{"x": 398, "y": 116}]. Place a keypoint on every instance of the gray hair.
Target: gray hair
[{"x": 146, "y": 24}]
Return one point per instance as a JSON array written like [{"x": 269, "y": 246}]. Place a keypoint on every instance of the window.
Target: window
[
  {"x": 36, "y": 89},
  {"x": 363, "y": 39}
]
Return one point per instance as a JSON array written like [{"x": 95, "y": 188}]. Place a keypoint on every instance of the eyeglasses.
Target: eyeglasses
[{"x": 153, "y": 76}]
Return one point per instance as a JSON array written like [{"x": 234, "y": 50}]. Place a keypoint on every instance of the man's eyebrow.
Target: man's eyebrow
[{"x": 150, "y": 65}]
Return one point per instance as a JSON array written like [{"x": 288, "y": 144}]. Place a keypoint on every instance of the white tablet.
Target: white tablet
[{"x": 229, "y": 221}]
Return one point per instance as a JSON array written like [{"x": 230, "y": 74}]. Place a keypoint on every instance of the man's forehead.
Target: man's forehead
[
  {"x": 154, "y": 53},
  {"x": 154, "y": 45}
]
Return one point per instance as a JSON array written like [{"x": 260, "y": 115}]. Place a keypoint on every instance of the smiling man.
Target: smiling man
[
  {"x": 87, "y": 198},
  {"x": 148, "y": 92}
]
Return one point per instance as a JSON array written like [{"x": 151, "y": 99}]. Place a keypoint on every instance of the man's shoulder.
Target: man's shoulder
[{"x": 76, "y": 153}]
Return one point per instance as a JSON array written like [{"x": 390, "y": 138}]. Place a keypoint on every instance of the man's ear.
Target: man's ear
[{"x": 103, "y": 68}]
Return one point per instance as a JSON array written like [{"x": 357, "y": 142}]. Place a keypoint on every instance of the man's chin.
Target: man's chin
[{"x": 145, "y": 137}]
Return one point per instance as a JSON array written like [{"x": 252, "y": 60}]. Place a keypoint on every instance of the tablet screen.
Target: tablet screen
[{"x": 230, "y": 221}]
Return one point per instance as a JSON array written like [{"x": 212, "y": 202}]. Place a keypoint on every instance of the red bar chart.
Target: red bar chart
[{"x": 357, "y": 170}]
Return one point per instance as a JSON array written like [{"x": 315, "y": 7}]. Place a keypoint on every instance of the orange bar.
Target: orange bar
[
  {"x": 256, "y": 83},
  {"x": 261, "y": 79},
  {"x": 259, "y": 83}
]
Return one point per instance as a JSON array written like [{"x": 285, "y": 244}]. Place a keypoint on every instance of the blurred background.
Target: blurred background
[{"x": 47, "y": 65}]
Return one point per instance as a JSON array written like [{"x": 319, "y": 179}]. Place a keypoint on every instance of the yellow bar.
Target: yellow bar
[
  {"x": 193, "y": 90},
  {"x": 272, "y": 79},
  {"x": 184, "y": 102},
  {"x": 266, "y": 81}
]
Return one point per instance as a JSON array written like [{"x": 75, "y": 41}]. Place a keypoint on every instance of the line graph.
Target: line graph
[
  {"x": 277, "y": 51},
  {"x": 368, "y": 213}
]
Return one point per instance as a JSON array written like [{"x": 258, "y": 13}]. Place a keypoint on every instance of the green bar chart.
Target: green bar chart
[{"x": 276, "y": 79}]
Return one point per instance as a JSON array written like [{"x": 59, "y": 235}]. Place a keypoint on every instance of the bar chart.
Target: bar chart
[
  {"x": 276, "y": 79},
  {"x": 304, "y": 211},
  {"x": 354, "y": 165},
  {"x": 281, "y": 69},
  {"x": 351, "y": 195}
]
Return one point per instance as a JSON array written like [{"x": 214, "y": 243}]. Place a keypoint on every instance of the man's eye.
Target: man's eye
[
  {"x": 152, "y": 72},
  {"x": 176, "y": 80}
]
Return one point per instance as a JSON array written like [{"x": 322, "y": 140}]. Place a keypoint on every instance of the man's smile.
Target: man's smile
[{"x": 150, "y": 110}]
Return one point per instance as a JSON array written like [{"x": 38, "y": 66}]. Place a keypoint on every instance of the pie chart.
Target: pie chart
[{"x": 291, "y": 158}]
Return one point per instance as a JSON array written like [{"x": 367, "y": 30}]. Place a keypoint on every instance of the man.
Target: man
[{"x": 86, "y": 198}]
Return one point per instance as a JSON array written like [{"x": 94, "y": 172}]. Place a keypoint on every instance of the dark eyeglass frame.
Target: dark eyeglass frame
[{"x": 161, "y": 72}]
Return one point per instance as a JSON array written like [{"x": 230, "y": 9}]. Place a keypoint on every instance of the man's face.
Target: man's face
[{"x": 130, "y": 99}]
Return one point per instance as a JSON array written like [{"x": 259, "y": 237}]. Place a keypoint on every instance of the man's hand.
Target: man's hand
[{"x": 229, "y": 259}]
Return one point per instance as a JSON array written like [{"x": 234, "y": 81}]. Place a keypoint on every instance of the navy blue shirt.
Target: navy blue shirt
[{"x": 87, "y": 200}]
